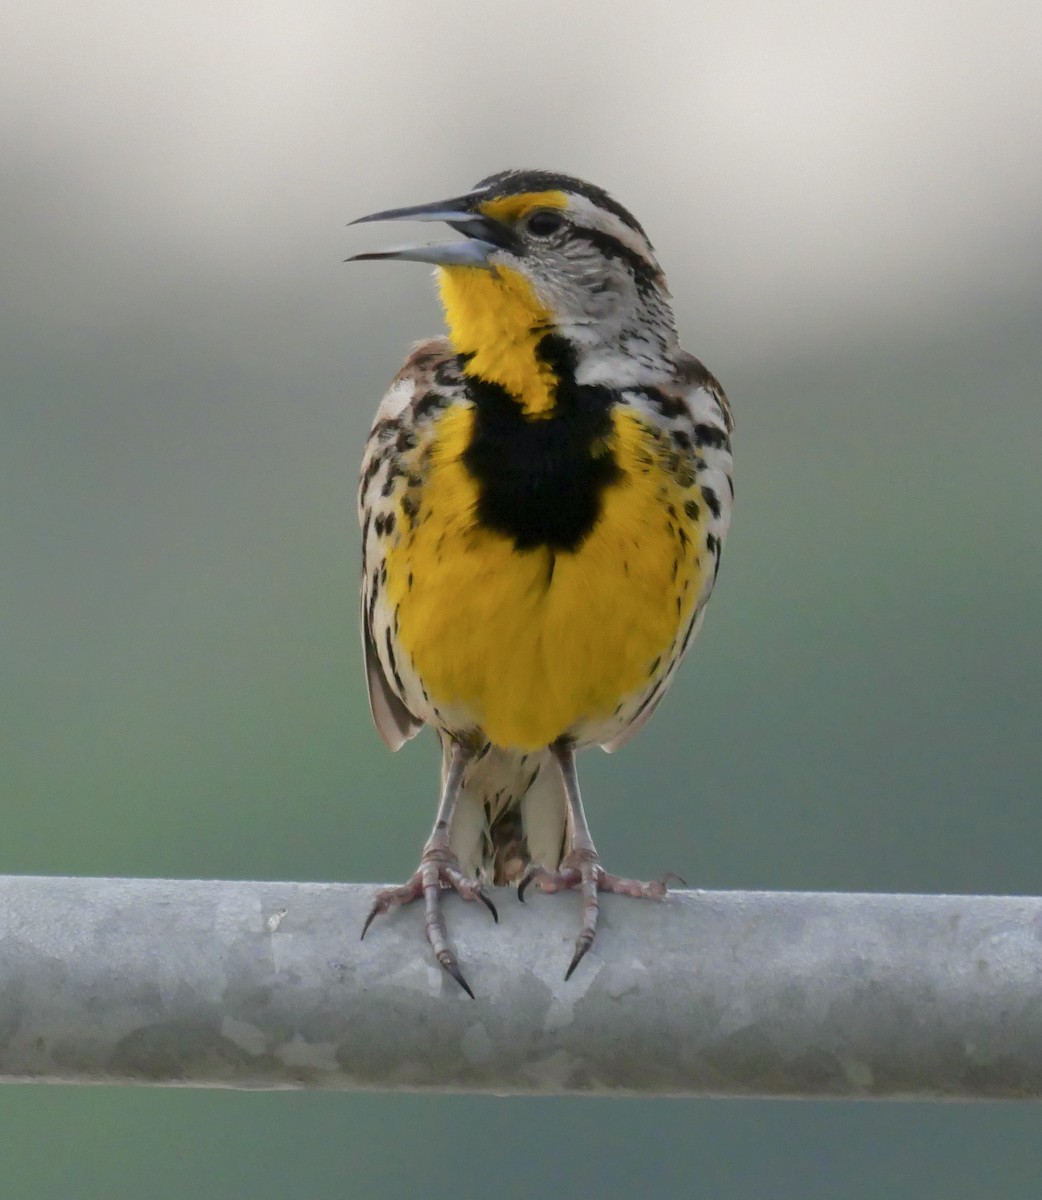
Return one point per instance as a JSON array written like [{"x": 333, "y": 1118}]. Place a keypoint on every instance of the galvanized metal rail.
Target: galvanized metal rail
[{"x": 266, "y": 985}]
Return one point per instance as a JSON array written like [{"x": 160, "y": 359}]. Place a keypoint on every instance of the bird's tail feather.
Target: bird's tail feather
[{"x": 511, "y": 812}]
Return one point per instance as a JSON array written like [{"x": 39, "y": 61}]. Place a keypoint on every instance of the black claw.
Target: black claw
[
  {"x": 582, "y": 944},
  {"x": 673, "y": 875},
  {"x": 452, "y": 967},
  {"x": 374, "y": 912},
  {"x": 523, "y": 886},
  {"x": 489, "y": 905}
]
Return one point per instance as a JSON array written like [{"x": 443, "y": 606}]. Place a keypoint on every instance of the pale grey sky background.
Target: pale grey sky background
[
  {"x": 803, "y": 167},
  {"x": 847, "y": 199}
]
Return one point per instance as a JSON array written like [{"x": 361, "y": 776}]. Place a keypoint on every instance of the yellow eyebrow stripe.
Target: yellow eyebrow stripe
[{"x": 513, "y": 208}]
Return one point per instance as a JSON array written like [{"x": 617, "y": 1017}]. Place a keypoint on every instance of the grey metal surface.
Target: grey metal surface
[{"x": 266, "y": 985}]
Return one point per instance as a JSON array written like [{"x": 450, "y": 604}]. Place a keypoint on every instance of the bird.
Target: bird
[{"x": 544, "y": 498}]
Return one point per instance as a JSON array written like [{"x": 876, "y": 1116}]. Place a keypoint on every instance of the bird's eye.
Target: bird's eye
[{"x": 544, "y": 222}]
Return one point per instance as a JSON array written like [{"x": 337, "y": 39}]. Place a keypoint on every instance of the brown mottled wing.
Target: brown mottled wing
[
  {"x": 394, "y": 723},
  {"x": 415, "y": 393},
  {"x": 694, "y": 377}
]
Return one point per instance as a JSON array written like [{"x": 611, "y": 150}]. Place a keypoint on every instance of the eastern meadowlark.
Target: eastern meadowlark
[{"x": 544, "y": 498}]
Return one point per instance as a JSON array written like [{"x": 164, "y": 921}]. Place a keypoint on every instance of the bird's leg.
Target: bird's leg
[
  {"x": 581, "y": 866},
  {"x": 439, "y": 868}
]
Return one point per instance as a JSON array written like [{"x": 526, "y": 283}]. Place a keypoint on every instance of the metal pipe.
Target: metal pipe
[{"x": 266, "y": 985}]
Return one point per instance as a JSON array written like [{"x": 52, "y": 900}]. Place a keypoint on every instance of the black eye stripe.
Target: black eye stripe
[{"x": 644, "y": 273}]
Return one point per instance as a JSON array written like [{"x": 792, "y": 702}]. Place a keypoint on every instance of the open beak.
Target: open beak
[{"x": 484, "y": 236}]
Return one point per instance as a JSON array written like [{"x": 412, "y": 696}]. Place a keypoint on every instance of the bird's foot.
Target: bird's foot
[
  {"x": 439, "y": 869},
  {"x": 582, "y": 869}
]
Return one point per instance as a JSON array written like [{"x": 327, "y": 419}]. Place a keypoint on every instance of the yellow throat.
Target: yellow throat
[{"x": 496, "y": 316}]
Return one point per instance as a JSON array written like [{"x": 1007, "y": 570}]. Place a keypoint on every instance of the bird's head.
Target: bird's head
[{"x": 547, "y": 253}]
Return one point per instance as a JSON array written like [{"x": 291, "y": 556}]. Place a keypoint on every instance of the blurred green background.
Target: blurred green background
[{"x": 848, "y": 202}]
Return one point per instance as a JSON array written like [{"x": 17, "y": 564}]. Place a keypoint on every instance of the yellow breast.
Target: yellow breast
[{"x": 532, "y": 643}]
